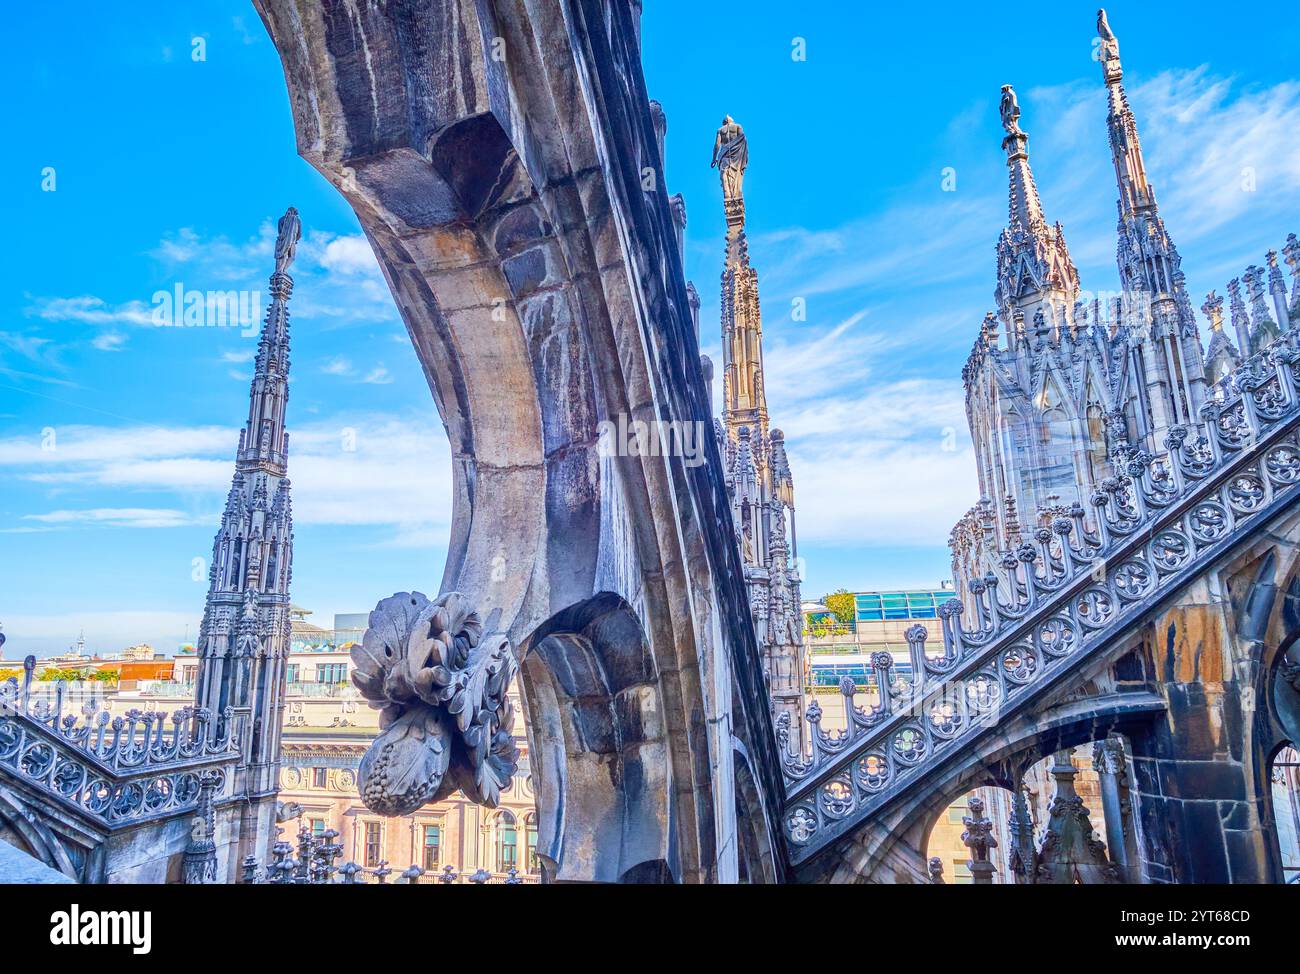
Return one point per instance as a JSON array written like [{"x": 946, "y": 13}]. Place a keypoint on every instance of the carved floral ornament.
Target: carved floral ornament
[{"x": 446, "y": 720}]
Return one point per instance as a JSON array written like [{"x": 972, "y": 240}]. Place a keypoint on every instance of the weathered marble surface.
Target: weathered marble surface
[{"x": 496, "y": 157}]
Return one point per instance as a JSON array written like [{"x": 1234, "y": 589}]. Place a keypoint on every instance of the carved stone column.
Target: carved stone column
[{"x": 1111, "y": 765}]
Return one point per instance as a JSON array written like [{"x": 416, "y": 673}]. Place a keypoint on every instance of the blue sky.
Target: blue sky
[{"x": 169, "y": 170}]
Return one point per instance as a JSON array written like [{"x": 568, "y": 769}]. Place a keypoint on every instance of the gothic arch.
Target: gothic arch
[{"x": 892, "y": 847}]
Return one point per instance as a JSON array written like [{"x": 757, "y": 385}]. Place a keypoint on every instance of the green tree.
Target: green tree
[{"x": 841, "y": 603}]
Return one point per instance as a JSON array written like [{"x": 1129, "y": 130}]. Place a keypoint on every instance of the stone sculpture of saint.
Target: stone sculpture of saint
[
  {"x": 1109, "y": 43},
  {"x": 731, "y": 157},
  {"x": 1010, "y": 111},
  {"x": 286, "y": 240}
]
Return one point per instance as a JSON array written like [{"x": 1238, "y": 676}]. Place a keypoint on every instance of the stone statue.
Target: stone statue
[
  {"x": 1103, "y": 26},
  {"x": 1010, "y": 111},
  {"x": 446, "y": 719},
  {"x": 730, "y": 157},
  {"x": 286, "y": 240},
  {"x": 1109, "y": 42}
]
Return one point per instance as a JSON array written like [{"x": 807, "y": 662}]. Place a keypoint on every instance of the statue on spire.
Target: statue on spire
[
  {"x": 289, "y": 231},
  {"x": 1010, "y": 111},
  {"x": 1103, "y": 30},
  {"x": 730, "y": 157},
  {"x": 1108, "y": 52}
]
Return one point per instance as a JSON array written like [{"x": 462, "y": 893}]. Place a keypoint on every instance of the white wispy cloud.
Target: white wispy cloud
[
  {"x": 120, "y": 517},
  {"x": 349, "y": 255},
  {"x": 109, "y": 341},
  {"x": 91, "y": 310},
  {"x": 878, "y": 492},
  {"x": 342, "y": 470},
  {"x": 32, "y": 357}
]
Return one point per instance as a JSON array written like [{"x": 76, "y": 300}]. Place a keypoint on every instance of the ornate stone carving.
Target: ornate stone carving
[
  {"x": 289, "y": 231},
  {"x": 1009, "y": 109},
  {"x": 731, "y": 158},
  {"x": 1070, "y": 854},
  {"x": 442, "y": 687},
  {"x": 980, "y": 840}
]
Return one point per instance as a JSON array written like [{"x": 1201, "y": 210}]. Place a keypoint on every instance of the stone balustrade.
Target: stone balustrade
[
  {"x": 119, "y": 770},
  {"x": 1073, "y": 588}
]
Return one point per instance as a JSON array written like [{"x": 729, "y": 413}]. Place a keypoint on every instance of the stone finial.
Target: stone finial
[
  {"x": 1291, "y": 254},
  {"x": 935, "y": 869},
  {"x": 1069, "y": 853},
  {"x": 979, "y": 838},
  {"x": 1213, "y": 309},
  {"x": 199, "y": 865}
]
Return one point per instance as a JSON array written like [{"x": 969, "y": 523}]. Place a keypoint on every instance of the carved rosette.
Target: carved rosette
[{"x": 446, "y": 720}]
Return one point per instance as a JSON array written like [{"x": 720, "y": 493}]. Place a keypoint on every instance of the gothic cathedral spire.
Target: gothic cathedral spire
[
  {"x": 244, "y": 637},
  {"x": 1149, "y": 265},
  {"x": 1037, "y": 281},
  {"x": 744, "y": 401},
  {"x": 758, "y": 471}
]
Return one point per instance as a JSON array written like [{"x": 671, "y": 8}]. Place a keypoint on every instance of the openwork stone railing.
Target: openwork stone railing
[
  {"x": 119, "y": 770},
  {"x": 1076, "y": 586}
]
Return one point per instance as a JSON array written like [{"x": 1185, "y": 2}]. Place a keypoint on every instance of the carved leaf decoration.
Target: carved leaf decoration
[
  {"x": 404, "y": 768},
  {"x": 447, "y": 719},
  {"x": 381, "y": 668}
]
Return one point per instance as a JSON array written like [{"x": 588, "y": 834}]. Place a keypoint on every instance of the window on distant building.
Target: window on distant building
[
  {"x": 507, "y": 842},
  {"x": 291, "y": 672},
  {"x": 432, "y": 847},
  {"x": 318, "y": 777},
  {"x": 374, "y": 844},
  {"x": 530, "y": 840},
  {"x": 331, "y": 672},
  {"x": 318, "y": 827}
]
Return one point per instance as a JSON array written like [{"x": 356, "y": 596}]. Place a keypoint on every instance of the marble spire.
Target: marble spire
[
  {"x": 1149, "y": 265},
  {"x": 244, "y": 638},
  {"x": 1037, "y": 280},
  {"x": 757, "y": 469},
  {"x": 744, "y": 399}
]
